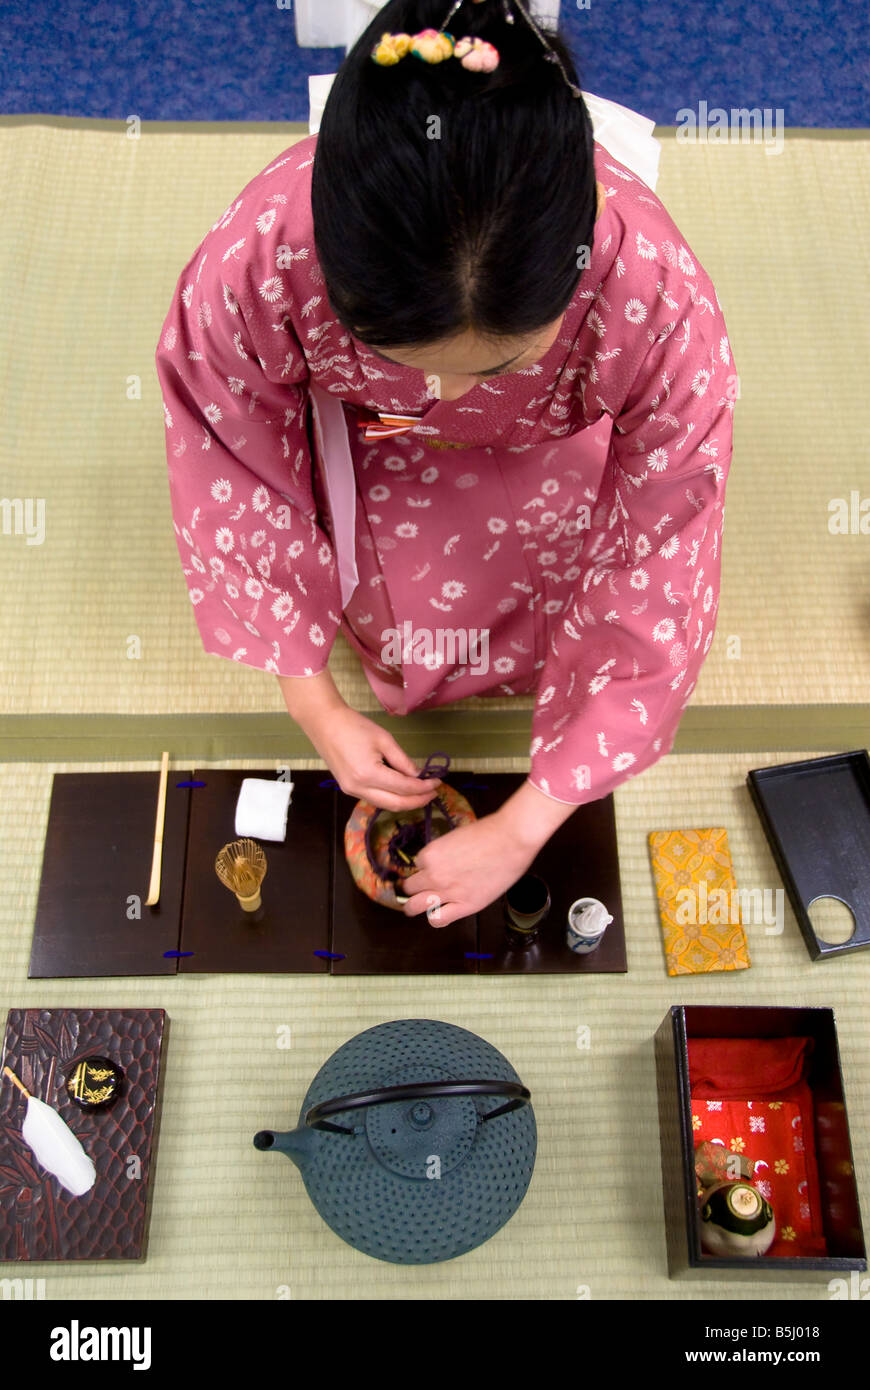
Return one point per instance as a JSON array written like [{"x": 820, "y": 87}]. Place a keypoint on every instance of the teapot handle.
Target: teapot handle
[{"x": 518, "y": 1095}]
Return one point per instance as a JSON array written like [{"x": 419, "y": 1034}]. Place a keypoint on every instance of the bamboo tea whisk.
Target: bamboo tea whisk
[{"x": 241, "y": 867}]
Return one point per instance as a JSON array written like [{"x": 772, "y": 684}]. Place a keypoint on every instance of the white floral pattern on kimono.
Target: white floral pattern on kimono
[{"x": 572, "y": 511}]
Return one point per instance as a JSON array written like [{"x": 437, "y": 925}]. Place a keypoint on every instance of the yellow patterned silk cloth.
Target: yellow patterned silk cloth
[{"x": 699, "y": 905}]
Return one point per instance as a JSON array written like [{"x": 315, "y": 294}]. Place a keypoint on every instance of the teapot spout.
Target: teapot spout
[{"x": 295, "y": 1143}]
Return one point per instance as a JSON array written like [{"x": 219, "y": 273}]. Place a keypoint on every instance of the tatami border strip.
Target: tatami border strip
[{"x": 464, "y": 734}]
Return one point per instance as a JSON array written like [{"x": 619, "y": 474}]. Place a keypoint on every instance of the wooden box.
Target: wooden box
[{"x": 828, "y": 1132}]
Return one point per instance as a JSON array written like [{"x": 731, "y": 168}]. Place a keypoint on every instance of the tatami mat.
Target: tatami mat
[
  {"x": 95, "y": 231},
  {"x": 230, "y": 1222}
]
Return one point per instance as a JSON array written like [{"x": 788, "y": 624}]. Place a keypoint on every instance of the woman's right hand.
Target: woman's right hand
[{"x": 365, "y": 760}]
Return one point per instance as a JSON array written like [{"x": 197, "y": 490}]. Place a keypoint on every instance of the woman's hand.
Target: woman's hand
[
  {"x": 365, "y": 760},
  {"x": 468, "y": 868},
  {"x": 464, "y": 870}
]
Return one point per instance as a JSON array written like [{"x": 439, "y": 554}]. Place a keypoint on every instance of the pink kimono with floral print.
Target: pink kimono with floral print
[{"x": 569, "y": 514}]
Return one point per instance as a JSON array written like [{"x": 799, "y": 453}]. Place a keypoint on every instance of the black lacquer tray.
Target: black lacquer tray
[{"x": 816, "y": 816}]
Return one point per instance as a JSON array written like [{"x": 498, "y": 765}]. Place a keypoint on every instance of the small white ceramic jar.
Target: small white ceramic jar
[{"x": 588, "y": 920}]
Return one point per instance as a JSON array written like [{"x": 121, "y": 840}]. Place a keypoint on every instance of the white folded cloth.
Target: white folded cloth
[
  {"x": 627, "y": 135},
  {"x": 261, "y": 810},
  {"x": 591, "y": 920},
  {"x": 339, "y": 23}
]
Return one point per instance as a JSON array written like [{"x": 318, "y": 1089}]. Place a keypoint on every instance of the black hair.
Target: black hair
[{"x": 421, "y": 239}]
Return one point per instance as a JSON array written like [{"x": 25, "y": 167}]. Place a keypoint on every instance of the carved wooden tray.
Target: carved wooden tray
[{"x": 39, "y": 1219}]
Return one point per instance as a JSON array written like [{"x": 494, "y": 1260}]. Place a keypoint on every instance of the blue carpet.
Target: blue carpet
[{"x": 237, "y": 60}]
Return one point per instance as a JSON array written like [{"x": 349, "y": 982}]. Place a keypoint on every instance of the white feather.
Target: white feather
[{"x": 55, "y": 1146}]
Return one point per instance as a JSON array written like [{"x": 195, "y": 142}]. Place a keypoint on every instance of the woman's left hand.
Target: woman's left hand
[{"x": 462, "y": 872}]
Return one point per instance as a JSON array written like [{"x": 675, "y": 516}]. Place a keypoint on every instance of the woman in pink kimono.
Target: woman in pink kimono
[{"x": 447, "y": 377}]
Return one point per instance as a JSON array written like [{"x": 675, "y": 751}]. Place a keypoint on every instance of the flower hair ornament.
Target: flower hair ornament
[{"x": 475, "y": 54}]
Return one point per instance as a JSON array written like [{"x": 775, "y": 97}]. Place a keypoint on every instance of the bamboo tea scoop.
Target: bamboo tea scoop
[{"x": 157, "y": 857}]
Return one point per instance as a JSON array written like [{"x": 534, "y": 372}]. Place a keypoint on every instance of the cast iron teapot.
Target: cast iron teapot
[{"x": 416, "y": 1141}]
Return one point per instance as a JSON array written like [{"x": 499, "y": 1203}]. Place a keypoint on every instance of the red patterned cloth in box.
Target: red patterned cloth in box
[{"x": 770, "y": 1134}]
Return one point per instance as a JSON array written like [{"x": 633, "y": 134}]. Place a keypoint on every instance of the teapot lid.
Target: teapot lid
[{"x": 409, "y": 1136}]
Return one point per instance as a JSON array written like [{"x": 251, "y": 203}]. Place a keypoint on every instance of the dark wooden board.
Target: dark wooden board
[
  {"x": 294, "y": 921},
  {"x": 310, "y": 901},
  {"x": 97, "y": 856},
  {"x": 39, "y": 1219},
  {"x": 579, "y": 861},
  {"x": 377, "y": 940}
]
